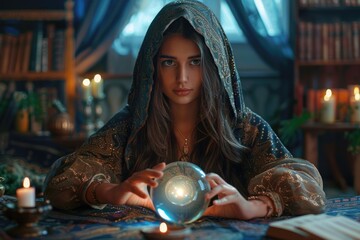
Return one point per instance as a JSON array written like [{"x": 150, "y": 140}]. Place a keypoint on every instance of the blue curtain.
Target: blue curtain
[
  {"x": 99, "y": 23},
  {"x": 275, "y": 50}
]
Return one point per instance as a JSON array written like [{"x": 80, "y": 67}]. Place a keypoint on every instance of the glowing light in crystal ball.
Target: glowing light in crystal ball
[{"x": 180, "y": 195}]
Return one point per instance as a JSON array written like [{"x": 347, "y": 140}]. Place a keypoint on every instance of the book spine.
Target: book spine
[
  {"x": 338, "y": 50},
  {"x": 50, "y": 31},
  {"x": 36, "y": 48},
  {"x": 20, "y": 52},
  {"x": 59, "y": 50},
  {"x": 356, "y": 39},
  {"x": 27, "y": 52},
  {"x": 309, "y": 40},
  {"x": 5, "y": 52}
]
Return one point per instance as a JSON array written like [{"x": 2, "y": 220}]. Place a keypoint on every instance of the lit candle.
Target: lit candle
[
  {"x": 355, "y": 106},
  {"x": 26, "y": 195},
  {"x": 328, "y": 108},
  {"x": 167, "y": 232},
  {"x": 86, "y": 86},
  {"x": 163, "y": 227},
  {"x": 97, "y": 86}
]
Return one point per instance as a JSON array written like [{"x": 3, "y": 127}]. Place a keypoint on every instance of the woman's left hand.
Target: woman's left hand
[{"x": 230, "y": 203}]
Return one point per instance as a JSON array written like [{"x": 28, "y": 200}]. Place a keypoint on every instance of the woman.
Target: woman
[{"x": 186, "y": 104}]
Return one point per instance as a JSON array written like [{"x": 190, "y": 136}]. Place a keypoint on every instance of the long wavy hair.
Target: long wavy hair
[{"x": 216, "y": 149}]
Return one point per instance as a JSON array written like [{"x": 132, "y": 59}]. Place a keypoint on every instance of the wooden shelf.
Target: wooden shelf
[
  {"x": 107, "y": 75},
  {"x": 64, "y": 13},
  {"x": 329, "y": 9},
  {"x": 38, "y": 76},
  {"x": 31, "y": 15},
  {"x": 326, "y": 55},
  {"x": 337, "y": 126},
  {"x": 328, "y": 63}
]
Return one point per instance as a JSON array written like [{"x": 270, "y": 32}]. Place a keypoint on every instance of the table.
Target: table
[
  {"x": 312, "y": 131},
  {"x": 125, "y": 222}
]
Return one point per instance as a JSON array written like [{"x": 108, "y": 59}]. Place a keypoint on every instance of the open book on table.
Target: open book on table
[{"x": 313, "y": 226}]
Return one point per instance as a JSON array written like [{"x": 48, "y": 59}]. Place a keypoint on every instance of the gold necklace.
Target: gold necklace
[{"x": 185, "y": 150}]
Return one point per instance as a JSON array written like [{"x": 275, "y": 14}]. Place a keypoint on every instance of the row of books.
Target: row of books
[
  {"x": 39, "y": 50},
  {"x": 328, "y": 3},
  {"x": 26, "y": 111},
  {"x": 329, "y": 41}
]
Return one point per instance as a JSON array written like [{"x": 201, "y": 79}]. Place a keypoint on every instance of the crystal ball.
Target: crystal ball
[{"x": 180, "y": 194}]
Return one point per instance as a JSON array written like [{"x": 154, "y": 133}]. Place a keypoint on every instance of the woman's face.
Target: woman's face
[{"x": 179, "y": 70}]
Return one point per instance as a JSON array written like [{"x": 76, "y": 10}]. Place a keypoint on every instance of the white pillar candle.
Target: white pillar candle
[
  {"x": 26, "y": 195},
  {"x": 327, "y": 114},
  {"x": 97, "y": 86},
  {"x": 355, "y": 106},
  {"x": 86, "y": 86}
]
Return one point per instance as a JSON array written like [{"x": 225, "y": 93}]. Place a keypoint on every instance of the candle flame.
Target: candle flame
[
  {"x": 163, "y": 227},
  {"x": 327, "y": 95},
  {"x": 357, "y": 93},
  {"x": 26, "y": 182},
  {"x": 86, "y": 82},
  {"x": 97, "y": 78}
]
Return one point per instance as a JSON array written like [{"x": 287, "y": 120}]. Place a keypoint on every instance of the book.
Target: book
[
  {"x": 25, "y": 67},
  {"x": 311, "y": 226},
  {"x": 36, "y": 48}
]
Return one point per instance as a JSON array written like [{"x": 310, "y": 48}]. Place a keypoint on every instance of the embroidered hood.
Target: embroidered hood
[{"x": 206, "y": 24}]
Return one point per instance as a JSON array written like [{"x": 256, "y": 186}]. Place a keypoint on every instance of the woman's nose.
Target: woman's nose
[{"x": 183, "y": 74}]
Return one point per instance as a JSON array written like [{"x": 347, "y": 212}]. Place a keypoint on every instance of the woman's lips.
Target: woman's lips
[{"x": 182, "y": 92}]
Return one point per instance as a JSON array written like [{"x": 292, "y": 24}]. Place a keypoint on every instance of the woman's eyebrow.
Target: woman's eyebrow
[
  {"x": 166, "y": 56},
  {"x": 196, "y": 56},
  {"x": 171, "y": 57}
]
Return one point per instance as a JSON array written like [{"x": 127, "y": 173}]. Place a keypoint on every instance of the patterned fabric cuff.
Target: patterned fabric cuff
[
  {"x": 99, "y": 178},
  {"x": 275, "y": 198}
]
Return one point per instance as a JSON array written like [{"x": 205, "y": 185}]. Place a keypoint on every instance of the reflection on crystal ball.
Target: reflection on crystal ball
[
  {"x": 180, "y": 190},
  {"x": 180, "y": 195}
]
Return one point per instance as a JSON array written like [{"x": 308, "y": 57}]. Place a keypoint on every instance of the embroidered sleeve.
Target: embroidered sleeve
[
  {"x": 294, "y": 185},
  {"x": 100, "y": 156}
]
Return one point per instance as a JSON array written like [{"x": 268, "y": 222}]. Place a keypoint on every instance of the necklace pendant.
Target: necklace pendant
[
  {"x": 186, "y": 147},
  {"x": 185, "y": 150}
]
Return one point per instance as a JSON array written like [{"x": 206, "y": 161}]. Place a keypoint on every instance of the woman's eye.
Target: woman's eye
[
  {"x": 196, "y": 62},
  {"x": 167, "y": 63}
]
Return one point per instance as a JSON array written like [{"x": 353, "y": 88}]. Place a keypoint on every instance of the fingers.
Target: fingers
[
  {"x": 137, "y": 191},
  {"x": 234, "y": 198},
  {"x": 219, "y": 187},
  {"x": 223, "y": 189},
  {"x": 138, "y": 181},
  {"x": 213, "y": 177},
  {"x": 159, "y": 167},
  {"x": 147, "y": 177}
]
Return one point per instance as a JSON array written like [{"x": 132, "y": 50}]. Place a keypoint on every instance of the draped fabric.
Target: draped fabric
[
  {"x": 275, "y": 50},
  {"x": 101, "y": 21}
]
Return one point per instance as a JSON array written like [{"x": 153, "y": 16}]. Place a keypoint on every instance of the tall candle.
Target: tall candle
[
  {"x": 327, "y": 114},
  {"x": 97, "y": 86},
  {"x": 26, "y": 195},
  {"x": 355, "y": 106},
  {"x": 86, "y": 86}
]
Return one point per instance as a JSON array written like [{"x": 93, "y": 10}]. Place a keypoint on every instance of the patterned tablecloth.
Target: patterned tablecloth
[{"x": 124, "y": 222}]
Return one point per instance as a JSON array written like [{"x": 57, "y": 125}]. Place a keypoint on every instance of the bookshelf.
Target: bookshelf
[
  {"x": 327, "y": 56},
  {"x": 54, "y": 20},
  {"x": 327, "y": 47}
]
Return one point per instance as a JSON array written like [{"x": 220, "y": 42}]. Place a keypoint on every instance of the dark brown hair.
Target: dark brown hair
[{"x": 216, "y": 149}]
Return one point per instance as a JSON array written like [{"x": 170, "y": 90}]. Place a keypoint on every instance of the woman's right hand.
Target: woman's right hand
[{"x": 133, "y": 191}]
